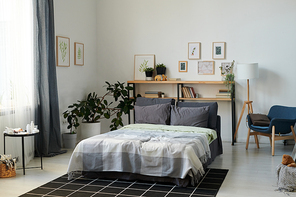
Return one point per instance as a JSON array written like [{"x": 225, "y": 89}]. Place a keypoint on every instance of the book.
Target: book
[
  {"x": 152, "y": 92},
  {"x": 152, "y": 96},
  {"x": 223, "y": 90},
  {"x": 174, "y": 79}
]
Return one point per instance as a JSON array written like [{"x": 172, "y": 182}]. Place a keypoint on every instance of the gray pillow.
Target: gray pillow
[
  {"x": 190, "y": 116},
  {"x": 212, "y": 112},
  {"x": 153, "y": 114}
]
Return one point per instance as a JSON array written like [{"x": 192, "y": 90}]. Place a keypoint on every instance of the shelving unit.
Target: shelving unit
[{"x": 179, "y": 98}]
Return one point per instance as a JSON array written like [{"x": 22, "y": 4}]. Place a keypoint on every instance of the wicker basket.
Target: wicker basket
[{"x": 6, "y": 172}]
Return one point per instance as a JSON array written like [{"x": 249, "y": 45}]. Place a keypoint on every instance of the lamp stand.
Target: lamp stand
[{"x": 250, "y": 109}]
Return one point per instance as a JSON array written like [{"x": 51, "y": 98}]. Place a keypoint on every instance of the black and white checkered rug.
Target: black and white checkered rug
[{"x": 82, "y": 187}]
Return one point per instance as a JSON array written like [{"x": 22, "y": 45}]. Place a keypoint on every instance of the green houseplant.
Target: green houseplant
[
  {"x": 95, "y": 108},
  {"x": 148, "y": 70},
  {"x": 160, "y": 69},
  {"x": 229, "y": 77}
]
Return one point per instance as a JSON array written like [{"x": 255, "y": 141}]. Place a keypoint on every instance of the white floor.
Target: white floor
[{"x": 251, "y": 172}]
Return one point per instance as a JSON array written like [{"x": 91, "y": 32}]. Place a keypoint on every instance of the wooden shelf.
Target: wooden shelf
[{"x": 178, "y": 82}]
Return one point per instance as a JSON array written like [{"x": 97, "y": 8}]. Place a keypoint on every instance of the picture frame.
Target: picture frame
[
  {"x": 183, "y": 66},
  {"x": 206, "y": 68},
  {"x": 225, "y": 68},
  {"x": 78, "y": 54},
  {"x": 218, "y": 50},
  {"x": 138, "y": 60},
  {"x": 194, "y": 50},
  {"x": 63, "y": 51}
]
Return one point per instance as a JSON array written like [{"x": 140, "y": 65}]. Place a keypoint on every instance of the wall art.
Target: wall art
[
  {"x": 63, "y": 51},
  {"x": 194, "y": 50},
  {"x": 219, "y": 50},
  {"x": 206, "y": 68},
  {"x": 78, "y": 54}
]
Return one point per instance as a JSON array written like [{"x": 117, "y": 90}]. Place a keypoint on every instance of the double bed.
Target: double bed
[{"x": 168, "y": 143}]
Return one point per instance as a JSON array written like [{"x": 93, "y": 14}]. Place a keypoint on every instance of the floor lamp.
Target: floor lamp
[{"x": 246, "y": 71}]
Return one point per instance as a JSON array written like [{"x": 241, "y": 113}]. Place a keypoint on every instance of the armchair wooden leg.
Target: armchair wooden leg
[
  {"x": 248, "y": 138},
  {"x": 293, "y": 132},
  {"x": 273, "y": 138},
  {"x": 270, "y": 141},
  {"x": 256, "y": 140}
]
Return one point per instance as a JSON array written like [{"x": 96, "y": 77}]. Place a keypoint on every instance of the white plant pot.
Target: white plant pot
[
  {"x": 69, "y": 140},
  {"x": 90, "y": 129}
]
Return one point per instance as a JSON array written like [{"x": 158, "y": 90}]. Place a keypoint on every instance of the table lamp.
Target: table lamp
[{"x": 246, "y": 71}]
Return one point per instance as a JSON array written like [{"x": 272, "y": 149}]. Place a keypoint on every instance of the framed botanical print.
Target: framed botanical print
[
  {"x": 194, "y": 50},
  {"x": 218, "y": 50},
  {"x": 148, "y": 59},
  {"x": 78, "y": 54},
  {"x": 183, "y": 65},
  {"x": 63, "y": 51}
]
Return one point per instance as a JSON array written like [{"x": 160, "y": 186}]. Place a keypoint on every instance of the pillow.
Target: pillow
[
  {"x": 259, "y": 119},
  {"x": 190, "y": 116},
  {"x": 212, "y": 112},
  {"x": 141, "y": 101},
  {"x": 153, "y": 114}
]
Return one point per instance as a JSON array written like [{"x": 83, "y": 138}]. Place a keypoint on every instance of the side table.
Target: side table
[{"x": 23, "y": 151}]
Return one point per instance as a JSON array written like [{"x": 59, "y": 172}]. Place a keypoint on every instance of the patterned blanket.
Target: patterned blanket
[{"x": 154, "y": 150}]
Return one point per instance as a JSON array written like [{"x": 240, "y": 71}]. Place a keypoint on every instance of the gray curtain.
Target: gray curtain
[{"x": 46, "y": 92}]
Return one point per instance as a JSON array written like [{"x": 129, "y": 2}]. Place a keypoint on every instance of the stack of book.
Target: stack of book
[
  {"x": 153, "y": 94},
  {"x": 224, "y": 93},
  {"x": 188, "y": 92}
]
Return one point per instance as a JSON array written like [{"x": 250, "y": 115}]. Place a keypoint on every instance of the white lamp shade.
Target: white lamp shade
[{"x": 247, "y": 71}]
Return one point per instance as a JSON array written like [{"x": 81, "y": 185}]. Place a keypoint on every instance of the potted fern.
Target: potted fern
[
  {"x": 95, "y": 108},
  {"x": 148, "y": 70},
  {"x": 160, "y": 69}
]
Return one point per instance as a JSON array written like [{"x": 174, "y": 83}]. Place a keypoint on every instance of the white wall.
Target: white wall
[
  {"x": 76, "y": 20},
  {"x": 254, "y": 31}
]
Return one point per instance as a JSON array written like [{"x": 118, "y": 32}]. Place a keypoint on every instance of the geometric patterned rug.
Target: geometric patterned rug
[{"x": 84, "y": 187}]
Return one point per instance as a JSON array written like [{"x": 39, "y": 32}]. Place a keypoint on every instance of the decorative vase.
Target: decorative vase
[
  {"x": 149, "y": 75},
  {"x": 69, "y": 140},
  {"x": 160, "y": 70},
  {"x": 89, "y": 129}
]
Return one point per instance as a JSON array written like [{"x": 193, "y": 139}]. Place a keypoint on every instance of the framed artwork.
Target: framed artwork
[
  {"x": 78, "y": 54},
  {"x": 226, "y": 68},
  {"x": 183, "y": 66},
  {"x": 194, "y": 50},
  {"x": 219, "y": 50},
  {"x": 63, "y": 51},
  {"x": 206, "y": 68},
  {"x": 140, "y": 59}
]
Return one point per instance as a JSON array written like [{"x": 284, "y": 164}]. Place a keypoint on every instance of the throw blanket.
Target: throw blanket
[
  {"x": 154, "y": 150},
  {"x": 286, "y": 177}
]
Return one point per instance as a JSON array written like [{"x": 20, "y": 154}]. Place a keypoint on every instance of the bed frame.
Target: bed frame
[{"x": 215, "y": 147}]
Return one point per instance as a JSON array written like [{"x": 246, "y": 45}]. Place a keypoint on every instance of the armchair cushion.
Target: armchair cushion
[{"x": 259, "y": 119}]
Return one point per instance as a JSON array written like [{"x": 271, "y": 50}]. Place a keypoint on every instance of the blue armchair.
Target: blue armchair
[{"x": 282, "y": 121}]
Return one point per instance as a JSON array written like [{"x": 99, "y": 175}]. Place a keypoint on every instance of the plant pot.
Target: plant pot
[
  {"x": 69, "y": 140},
  {"x": 161, "y": 70},
  {"x": 149, "y": 75},
  {"x": 89, "y": 129}
]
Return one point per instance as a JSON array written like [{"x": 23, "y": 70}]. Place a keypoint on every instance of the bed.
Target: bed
[{"x": 169, "y": 142}]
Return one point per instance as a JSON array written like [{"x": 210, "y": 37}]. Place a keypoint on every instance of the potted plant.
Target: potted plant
[
  {"x": 160, "y": 69},
  {"x": 95, "y": 108},
  {"x": 229, "y": 78},
  {"x": 148, "y": 70}
]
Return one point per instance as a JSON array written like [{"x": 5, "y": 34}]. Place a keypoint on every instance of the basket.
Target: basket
[{"x": 6, "y": 172}]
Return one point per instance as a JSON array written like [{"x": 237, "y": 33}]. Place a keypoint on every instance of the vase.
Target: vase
[
  {"x": 89, "y": 129},
  {"x": 69, "y": 140},
  {"x": 160, "y": 70},
  {"x": 149, "y": 75}
]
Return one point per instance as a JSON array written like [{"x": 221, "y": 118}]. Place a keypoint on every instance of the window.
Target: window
[{"x": 16, "y": 55}]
